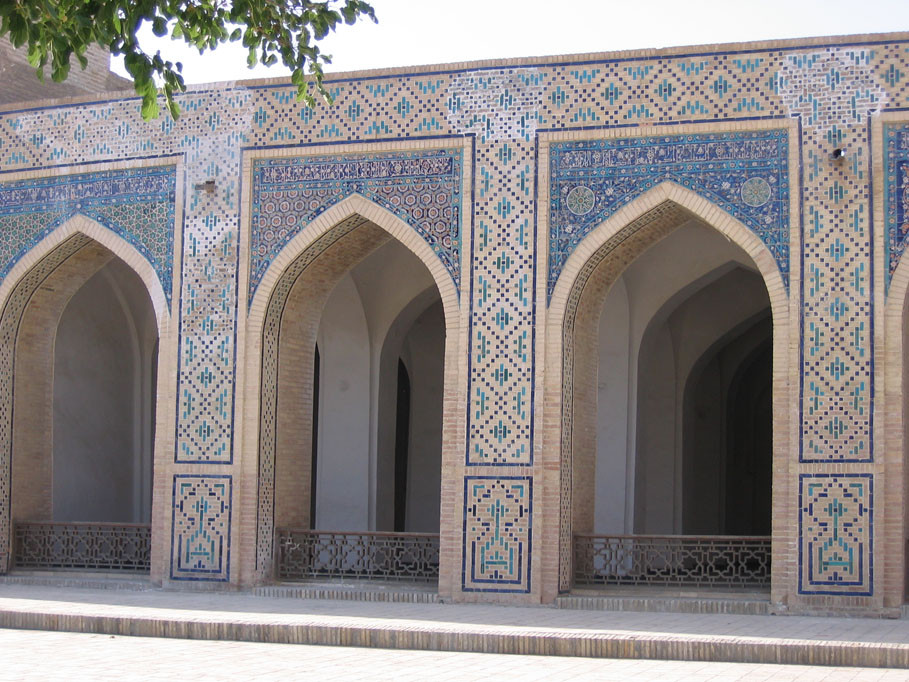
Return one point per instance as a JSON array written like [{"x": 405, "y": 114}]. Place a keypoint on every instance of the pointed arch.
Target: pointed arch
[
  {"x": 346, "y": 209},
  {"x": 667, "y": 197},
  {"x": 895, "y": 437},
  {"x": 80, "y": 224},
  {"x": 349, "y": 230},
  {"x": 53, "y": 270},
  {"x": 599, "y": 259}
]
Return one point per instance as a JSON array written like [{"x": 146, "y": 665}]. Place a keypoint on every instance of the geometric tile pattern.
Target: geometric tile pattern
[
  {"x": 745, "y": 173},
  {"x": 496, "y": 104},
  {"x": 9, "y": 328},
  {"x": 497, "y": 521},
  {"x": 200, "y": 547},
  {"x": 208, "y": 297},
  {"x": 896, "y": 194},
  {"x": 422, "y": 188},
  {"x": 502, "y": 109},
  {"x": 837, "y": 534},
  {"x": 834, "y": 92},
  {"x": 136, "y": 203}
]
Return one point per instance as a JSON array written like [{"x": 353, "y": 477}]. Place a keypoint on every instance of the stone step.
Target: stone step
[
  {"x": 88, "y": 581},
  {"x": 735, "y": 604},
  {"x": 371, "y": 592},
  {"x": 476, "y": 628},
  {"x": 477, "y": 639}
]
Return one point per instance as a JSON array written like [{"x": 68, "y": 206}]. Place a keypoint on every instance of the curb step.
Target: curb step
[
  {"x": 666, "y": 604},
  {"x": 86, "y": 582},
  {"x": 349, "y": 593},
  {"x": 479, "y": 639}
]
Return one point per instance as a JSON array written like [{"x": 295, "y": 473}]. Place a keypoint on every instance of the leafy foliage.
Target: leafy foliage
[{"x": 287, "y": 30}]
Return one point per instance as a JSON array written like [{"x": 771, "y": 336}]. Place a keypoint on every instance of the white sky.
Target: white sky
[{"x": 414, "y": 32}]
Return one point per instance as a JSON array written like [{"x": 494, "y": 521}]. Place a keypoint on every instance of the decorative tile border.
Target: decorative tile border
[
  {"x": 200, "y": 541},
  {"x": 834, "y": 93},
  {"x": 745, "y": 173},
  {"x": 136, "y": 203},
  {"x": 896, "y": 194},
  {"x": 836, "y": 534},
  {"x": 497, "y": 528},
  {"x": 502, "y": 107},
  {"x": 422, "y": 188}
]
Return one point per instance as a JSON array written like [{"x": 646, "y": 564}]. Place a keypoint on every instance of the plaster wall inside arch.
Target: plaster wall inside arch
[
  {"x": 104, "y": 400},
  {"x": 387, "y": 307},
  {"x": 656, "y": 320},
  {"x": 423, "y": 352}
]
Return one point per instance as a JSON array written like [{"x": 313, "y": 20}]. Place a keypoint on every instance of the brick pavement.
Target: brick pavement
[
  {"x": 463, "y": 627},
  {"x": 58, "y": 655}
]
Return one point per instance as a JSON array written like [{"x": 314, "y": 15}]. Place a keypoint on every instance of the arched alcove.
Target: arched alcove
[
  {"x": 727, "y": 435},
  {"x": 348, "y": 283},
  {"x": 376, "y": 320},
  {"x": 896, "y": 435},
  {"x": 81, "y": 316},
  {"x": 610, "y": 284}
]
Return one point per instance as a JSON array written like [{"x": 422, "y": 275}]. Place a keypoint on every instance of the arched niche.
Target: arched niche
[
  {"x": 282, "y": 331},
  {"x": 35, "y": 296},
  {"x": 573, "y": 319}
]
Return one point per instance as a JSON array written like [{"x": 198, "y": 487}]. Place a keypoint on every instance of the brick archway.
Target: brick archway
[
  {"x": 896, "y": 438},
  {"x": 572, "y": 321},
  {"x": 33, "y": 297},
  {"x": 296, "y": 285}
]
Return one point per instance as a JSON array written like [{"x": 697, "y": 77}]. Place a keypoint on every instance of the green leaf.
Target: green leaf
[
  {"x": 35, "y": 54},
  {"x": 150, "y": 107},
  {"x": 159, "y": 26},
  {"x": 273, "y": 31},
  {"x": 60, "y": 72},
  {"x": 18, "y": 30}
]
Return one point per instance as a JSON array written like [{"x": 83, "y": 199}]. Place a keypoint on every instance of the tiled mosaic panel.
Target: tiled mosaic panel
[
  {"x": 9, "y": 327},
  {"x": 137, "y": 204},
  {"x": 834, "y": 92},
  {"x": 896, "y": 194},
  {"x": 497, "y": 525},
  {"x": 503, "y": 108},
  {"x": 208, "y": 135},
  {"x": 200, "y": 544},
  {"x": 265, "y": 514},
  {"x": 745, "y": 173},
  {"x": 837, "y": 534},
  {"x": 217, "y": 126},
  {"x": 422, "y": 188}
]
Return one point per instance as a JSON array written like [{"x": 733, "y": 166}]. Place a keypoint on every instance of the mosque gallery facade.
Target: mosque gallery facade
[{"x": 507, "y": 330}]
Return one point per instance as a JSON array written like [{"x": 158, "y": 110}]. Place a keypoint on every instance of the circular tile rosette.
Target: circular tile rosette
[
  {"x": 580, "y": 200},
  {"x": 755, "y": 192}
]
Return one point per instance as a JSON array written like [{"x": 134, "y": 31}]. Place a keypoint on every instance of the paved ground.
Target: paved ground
[
  {"x": 446, "y": 639},
  {"x": 56, "y": 655},
  {"x": 247, "y": 608}
]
